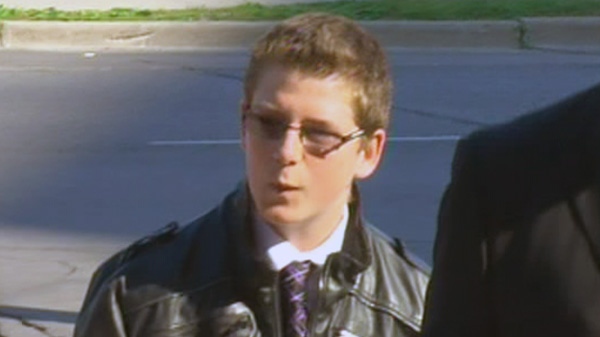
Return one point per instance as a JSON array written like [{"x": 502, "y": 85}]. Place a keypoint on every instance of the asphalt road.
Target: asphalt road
[{"x": 113, "y": 146}]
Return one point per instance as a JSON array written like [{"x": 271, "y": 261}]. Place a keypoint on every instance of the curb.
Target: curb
[
  {"x": 573, "y": 34},
  {"x": 446, "y": 34},
  {"x": 117, "y": 36}
]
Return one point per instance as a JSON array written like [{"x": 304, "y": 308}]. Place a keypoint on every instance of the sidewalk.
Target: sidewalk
[
  {"x": 44, "y": 276},
  {"x": 565, "y": 34}
]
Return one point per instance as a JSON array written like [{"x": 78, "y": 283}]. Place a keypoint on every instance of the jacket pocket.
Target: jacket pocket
[
  {"x": 234, "y": 320},
  {"x": 153, "y": 311}
]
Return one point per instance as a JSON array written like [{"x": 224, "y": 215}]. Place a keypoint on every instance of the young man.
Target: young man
[{"x": 287, "y": 253}]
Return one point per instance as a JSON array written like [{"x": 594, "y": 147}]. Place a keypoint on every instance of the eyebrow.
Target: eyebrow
[
  {"x": 267, "y": 111},
  {"x": 321, "y": 124},
  {"x": 265, "y": 107},
  {"x": 271, "y": 110}
]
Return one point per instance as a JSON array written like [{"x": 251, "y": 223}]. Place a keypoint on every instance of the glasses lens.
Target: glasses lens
[
  {"x": 265, "y": 127},
  {"x": 315, "y": 141},
  {"x": 318, "y": 142}
]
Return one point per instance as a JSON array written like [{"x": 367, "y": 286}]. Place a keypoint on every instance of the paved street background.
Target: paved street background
[{"x": 99, "y": 149}]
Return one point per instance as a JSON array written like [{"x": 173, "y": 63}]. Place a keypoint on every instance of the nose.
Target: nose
[{"x": 289, "y": 149}]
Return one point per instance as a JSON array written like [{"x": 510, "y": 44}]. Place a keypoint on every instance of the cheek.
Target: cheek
[
  {"x": 256, "y": 160},
  {"x": 256, "y": 154},
  {"x": 333, "y": 178}
]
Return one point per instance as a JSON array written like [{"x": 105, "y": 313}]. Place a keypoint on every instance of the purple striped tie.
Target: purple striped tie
[{"x": 293, "y": 298}]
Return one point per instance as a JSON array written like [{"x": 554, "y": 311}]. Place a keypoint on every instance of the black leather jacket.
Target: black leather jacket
[{"x": 204, "y": 280}]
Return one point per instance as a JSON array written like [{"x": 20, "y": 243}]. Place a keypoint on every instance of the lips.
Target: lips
[{"x": 284, "y": 187}]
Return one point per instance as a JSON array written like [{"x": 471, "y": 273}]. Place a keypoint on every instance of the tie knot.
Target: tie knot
[{"x": 295, "y": 273}]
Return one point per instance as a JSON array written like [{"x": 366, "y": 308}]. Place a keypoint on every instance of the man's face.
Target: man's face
[{"x": 292, "y": 184}]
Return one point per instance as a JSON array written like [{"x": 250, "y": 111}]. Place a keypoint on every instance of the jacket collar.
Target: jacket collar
[
  {"x": 355, "y": 255},
  {"x": 342, "y": 268},
  {"x": 254, "y": 281}
]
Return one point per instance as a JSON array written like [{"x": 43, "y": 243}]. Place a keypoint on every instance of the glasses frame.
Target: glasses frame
[{"x": 343, "y": 139}]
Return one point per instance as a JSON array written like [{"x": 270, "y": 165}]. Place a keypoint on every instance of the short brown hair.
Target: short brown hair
[{"x": 319, "y": 44}]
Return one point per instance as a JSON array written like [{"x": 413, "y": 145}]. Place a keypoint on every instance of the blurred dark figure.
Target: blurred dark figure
[{"x": 517, "y": 251}]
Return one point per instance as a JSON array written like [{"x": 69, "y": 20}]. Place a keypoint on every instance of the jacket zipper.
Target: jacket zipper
[{"x": 277, "y": 307}]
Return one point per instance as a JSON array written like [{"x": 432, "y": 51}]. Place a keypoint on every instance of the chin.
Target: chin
[{"x": 280, "y": 215}]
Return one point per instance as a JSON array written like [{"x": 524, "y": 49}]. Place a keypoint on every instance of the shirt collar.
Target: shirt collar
[{"x": 280, "y": 253}]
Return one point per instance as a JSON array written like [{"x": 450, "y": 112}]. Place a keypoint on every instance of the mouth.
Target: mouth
[{"x": 284, "y": 187}]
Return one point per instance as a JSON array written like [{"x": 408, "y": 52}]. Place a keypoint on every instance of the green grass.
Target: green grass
[{"x": 360, "y": 10}]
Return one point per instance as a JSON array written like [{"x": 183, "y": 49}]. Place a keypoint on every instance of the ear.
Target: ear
[
  {"x": 370, "y": 154},
  {"x": 244, "y": 106}
]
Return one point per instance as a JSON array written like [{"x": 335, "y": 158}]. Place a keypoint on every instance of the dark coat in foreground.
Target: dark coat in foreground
[{"x": 517, "y": 251}]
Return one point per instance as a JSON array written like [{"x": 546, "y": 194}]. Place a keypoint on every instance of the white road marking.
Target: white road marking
[
  {"x": 194, "y": 142},
  {"x": 443, "y": 138}
]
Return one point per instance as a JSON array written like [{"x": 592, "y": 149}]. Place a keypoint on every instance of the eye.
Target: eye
[
  {"x": 271, "y": 126},
  {"x": 321, "y": 137}
]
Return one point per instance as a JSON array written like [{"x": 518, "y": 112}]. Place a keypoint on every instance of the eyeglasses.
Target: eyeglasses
[{"x": 316, "y": 141}]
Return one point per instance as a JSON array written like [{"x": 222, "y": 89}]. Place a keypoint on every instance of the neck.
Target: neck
[{"x": 313, "y": 232}]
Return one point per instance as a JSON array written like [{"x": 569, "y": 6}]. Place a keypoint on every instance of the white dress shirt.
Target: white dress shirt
[{"x": 281, "y": 253}]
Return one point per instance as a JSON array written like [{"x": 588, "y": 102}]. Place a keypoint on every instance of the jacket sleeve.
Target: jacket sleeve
[
  {"x": 101, "y": 315},
  {"x": 457, "y": 303}
]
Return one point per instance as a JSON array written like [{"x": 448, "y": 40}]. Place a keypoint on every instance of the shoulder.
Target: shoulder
[
  {"x": 158, "y": 256},
  {"x": 159, "y": 237},
  {"x": 172, "y": 243},
  {"x": 511, "y": 168},
  {"x": 554, "y": 139},
  {"x": 107, "y": 269},
  {"x": 396, "y": 279},
  {"x": 387, "y": 247},
  {"x": 569, "y": 123}
]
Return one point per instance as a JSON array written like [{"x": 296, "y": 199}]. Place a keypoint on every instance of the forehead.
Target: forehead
[{"x": 300, "y": 95}]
